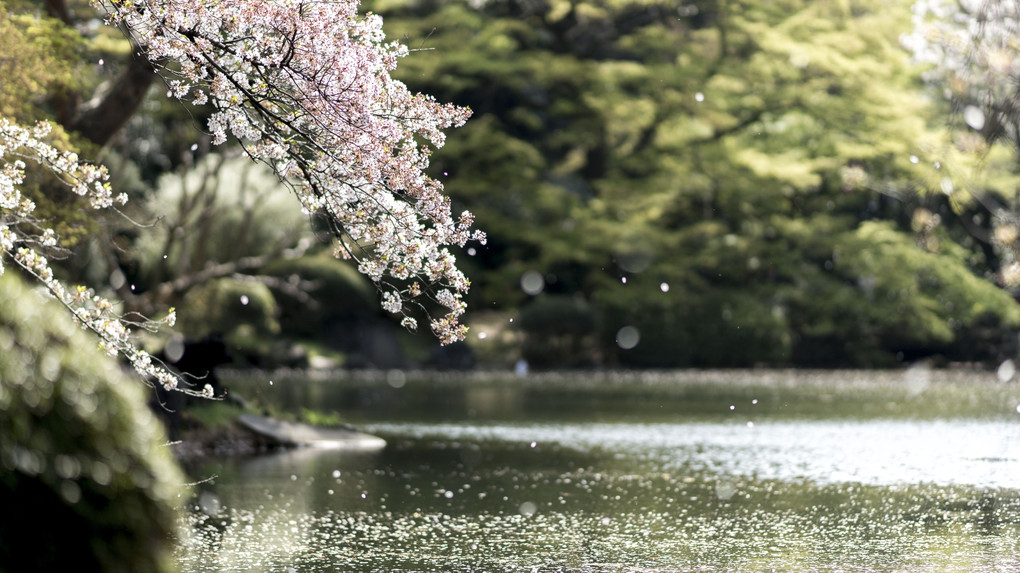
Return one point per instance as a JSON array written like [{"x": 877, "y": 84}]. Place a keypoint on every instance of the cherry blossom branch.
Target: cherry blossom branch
[
  {"x": 19, "y": 231},
  {"x": 305, "y": 86}
]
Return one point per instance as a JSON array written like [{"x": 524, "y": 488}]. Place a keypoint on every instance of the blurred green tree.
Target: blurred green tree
[{"x": 744, "y": 182}]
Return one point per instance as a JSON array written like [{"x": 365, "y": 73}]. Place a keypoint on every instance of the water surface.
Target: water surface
[{"x": 720, "y": 471}]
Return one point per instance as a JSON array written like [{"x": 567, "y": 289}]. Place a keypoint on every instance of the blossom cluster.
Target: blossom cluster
[
  {"x": 971, "y": 48},
  {"x": 305, "y": 86},
  {"x": 22, "y": 237}
]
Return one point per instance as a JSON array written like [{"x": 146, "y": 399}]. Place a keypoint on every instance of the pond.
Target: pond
[{"x": 916, "y": 470}]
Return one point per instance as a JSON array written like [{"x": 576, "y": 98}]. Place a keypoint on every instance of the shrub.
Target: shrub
[{"x": 85, "y": 482}]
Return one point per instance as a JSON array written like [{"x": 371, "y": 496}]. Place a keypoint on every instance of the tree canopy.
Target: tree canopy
[
  {"x": 742, "y": 182},
  {"x": 710, "y": 184}
]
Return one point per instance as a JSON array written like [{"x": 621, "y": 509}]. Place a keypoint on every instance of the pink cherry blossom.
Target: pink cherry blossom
[{"x": 305, "y": 87}]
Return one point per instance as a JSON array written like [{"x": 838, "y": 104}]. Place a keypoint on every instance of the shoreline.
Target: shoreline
[{"x": 203, "y": 443}]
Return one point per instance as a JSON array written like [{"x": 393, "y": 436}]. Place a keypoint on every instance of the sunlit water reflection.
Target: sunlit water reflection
[
  {"x": 874, "y": 452},
  {"x": 738, "y": 490}
]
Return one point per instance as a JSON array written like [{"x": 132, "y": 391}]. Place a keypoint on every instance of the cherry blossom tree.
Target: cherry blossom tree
[
  {"x": 304, "y": 87},
  {"x": 972, "y": 52},
  {"x": 972, "y": 48}
]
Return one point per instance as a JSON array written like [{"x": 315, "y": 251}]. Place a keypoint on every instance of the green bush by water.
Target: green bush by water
[{"x": 86, "y": 482}]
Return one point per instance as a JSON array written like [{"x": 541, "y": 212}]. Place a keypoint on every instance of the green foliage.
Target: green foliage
[
  {"x": 684, "y": 327},
  {"x": 85, "y": 481},
  {"x": 771, "y": 163},
  {"x": 222, "y": 249},
  {"x": 243, "y": 312},
  {"x": 322, "y": 419},
  {"x": 761, "y": 159},
  {"x": 559, "y": 331},
  {"x": 44, "y": 64},
  {"x": 337, "y": 293},
  {"x": 231, "y": 249},
  {"x": 221, "y": 211},
  {"x": 883, "y": 293},
  {"x": 40, "y": 65},
  {"x": 52, "y": 71}
]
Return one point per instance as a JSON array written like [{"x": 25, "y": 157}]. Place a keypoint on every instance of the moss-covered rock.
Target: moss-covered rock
[{"x": 86, "y": 483}]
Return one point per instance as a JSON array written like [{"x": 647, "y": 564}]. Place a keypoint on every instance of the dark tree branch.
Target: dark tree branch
[
  {"x": 294, "y": 287},
  {"x": 721, "y": 132},
  {"x": 213, "y": 271},
  {"x": 58, "y": 9},
  {"x": 102, "y": 122}
]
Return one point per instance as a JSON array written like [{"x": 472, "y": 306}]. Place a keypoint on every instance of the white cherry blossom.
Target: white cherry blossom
[
  {"x": 21, "y": 233},
  {"x": 305, "y": 86}
]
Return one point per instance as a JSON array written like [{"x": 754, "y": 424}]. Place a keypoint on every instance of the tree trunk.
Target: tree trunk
[{"x": 101, "y": 123}]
